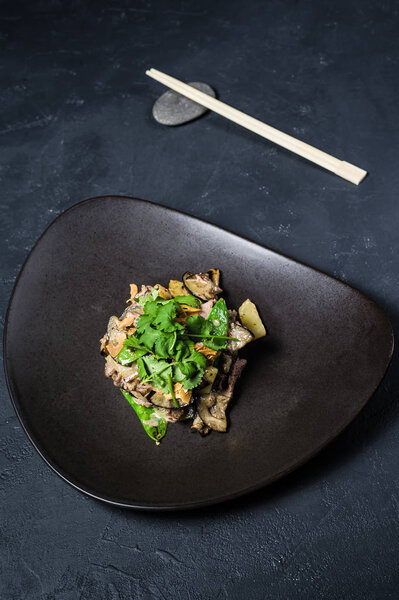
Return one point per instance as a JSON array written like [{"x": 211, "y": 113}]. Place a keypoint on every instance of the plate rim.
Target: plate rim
[{"x": 147, "y": 506}]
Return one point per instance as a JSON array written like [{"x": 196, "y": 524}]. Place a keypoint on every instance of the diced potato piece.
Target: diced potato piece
[
  {"x": 177, "y": 288},
  {"x": 250, "y": 318},
  {"x": 163, "y": 292}
]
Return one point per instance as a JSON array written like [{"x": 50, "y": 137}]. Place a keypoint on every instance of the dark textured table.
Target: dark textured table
[{"x": 76, "y": 122}]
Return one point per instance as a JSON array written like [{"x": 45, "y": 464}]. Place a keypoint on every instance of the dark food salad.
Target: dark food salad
[{"x": 174, "y": 352}]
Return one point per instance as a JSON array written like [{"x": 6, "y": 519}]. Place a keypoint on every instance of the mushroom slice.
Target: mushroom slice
[
  {"x": 199, "y": 425},
  {"x": 129, "y": 316},
  {"x": 133, "y": 309},
  {"x": 133, "y": 291},
  {"x": 115, "y": 337},
  {"x": 243, "y": 336},
  {"x": 201, "y": 285},
  {"x": 127, "y": 321},
  {"x": 212, "y": 410},
  {"x": 112, "y": 328},
  {"x": 208, "y": 352},
  {"x": 140, "y": 399},
  {"x": 127, "y": 373},
  {"x": 103, "y": 343}
]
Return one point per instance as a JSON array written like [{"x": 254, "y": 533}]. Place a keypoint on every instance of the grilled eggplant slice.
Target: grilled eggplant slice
[
  {"x": 214, "y": 274},
  {"x": 162, "y": 400},
  {"x": 175, "y": 414},
  {"x": 201, "y": 285},
  {"x": 127, "y": 373}
]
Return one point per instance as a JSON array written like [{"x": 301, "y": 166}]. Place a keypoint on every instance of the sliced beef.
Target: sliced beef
[
  {"x": 206, "y": 308},
  {"x": 109, "y": 369},
  {"x": 234, "y": 375}
]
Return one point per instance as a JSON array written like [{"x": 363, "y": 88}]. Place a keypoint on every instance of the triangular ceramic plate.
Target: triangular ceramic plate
[{"x": 327, "y": 350}]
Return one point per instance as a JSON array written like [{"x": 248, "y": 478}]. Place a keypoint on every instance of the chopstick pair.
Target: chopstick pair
[{"x": 339, "y": 167}]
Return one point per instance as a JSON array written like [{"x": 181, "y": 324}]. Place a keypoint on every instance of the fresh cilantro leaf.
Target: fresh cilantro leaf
[
  {"x": 159, "y": 371},
  {"x": 172, "y": 356},
  {"x": 172, "y": 343},
  {"x": 164, "y": 318},
  {"x": 152, "y": 364},
  {"x": 163, "y": 344},
  {"x": 190, "y": 371},
  {"x": 149, "y": 337},
  {"x": 142, "y": 368},
  {"x": 198, "y": 325},
  {"x": 199, "y": 359},
  {"x": 182, "y": 348},
  {"x": 151, "y": 308},
  {"x": 143, "y": 322},
  {"x": 215, "y": 344},
  {"x": 183, "y": 370},
  {"x": 192, "y": 382}
]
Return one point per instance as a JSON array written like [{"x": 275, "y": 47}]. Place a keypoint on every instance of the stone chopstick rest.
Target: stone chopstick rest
[{"x": 174, "y": 109}]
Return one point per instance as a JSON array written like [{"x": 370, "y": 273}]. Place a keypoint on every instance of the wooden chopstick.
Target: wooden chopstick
[{"x": 339, "y": 167}]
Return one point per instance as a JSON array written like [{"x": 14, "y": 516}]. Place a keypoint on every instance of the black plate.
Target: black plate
[{"x": 327, "y": 350}]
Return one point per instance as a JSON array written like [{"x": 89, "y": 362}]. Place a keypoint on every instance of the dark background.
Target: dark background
[{"x": 76, "y": 122}]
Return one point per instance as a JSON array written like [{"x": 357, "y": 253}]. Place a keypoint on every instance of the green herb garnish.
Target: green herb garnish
[{"x": 163, "y": 348}]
